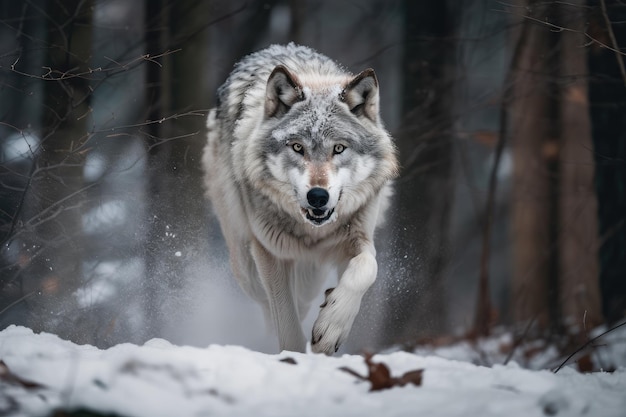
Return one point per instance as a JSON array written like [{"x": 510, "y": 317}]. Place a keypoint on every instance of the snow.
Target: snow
[
  {"x": 161, "y": 379},
  {"x": 19, "y": 145}
]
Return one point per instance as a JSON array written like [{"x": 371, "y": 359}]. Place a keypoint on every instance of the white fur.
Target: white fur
[{"x": 280, "y": 256}]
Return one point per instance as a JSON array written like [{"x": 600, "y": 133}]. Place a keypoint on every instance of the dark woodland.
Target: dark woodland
[{"x": 509, "y": 116}]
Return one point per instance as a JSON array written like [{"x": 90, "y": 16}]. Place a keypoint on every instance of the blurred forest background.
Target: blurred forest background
[{"x": 510, "y": 117}]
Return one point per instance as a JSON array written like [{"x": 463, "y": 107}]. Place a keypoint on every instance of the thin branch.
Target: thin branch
[
  {"x": 21, "y": 203},
  {"x": 483, "y": 302},
  {"x": 197, "y": 112},
  {"x": 55, "y": 75},
  {"x": 19, "y": 300},
  {"x": 160, "y": 141},
  {"x": 558, "y": 28},
  {"x": 590, "y": 341},
  {"x": 518, "y": 341},
  {"x": 616, "y": 49}
]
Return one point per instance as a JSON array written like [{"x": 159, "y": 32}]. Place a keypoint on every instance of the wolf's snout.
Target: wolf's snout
[
  {"x": 317, "y": 197},
  {"x": 317, "y": 212}
]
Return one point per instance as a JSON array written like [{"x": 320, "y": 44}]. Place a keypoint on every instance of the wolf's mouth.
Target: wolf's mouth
[{"x": 318, "y": 216}]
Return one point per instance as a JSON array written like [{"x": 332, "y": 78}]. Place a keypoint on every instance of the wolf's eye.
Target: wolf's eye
[
  {"x": 338, "y": 149},
  {"x": 298, "y": 148}
]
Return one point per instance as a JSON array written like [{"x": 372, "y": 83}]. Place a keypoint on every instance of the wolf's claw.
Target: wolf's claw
[
  {"x": 334, "y": 321},
  {"x": 326, "y": 294}
]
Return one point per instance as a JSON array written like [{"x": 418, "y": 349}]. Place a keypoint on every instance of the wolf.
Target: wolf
[{"x": 298, "y": 167}]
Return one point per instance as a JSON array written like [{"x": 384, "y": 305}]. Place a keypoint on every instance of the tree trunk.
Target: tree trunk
[
  {"x": 607, "y": 95},
  {"x": 532, "y": 137},
  {"x": 555, "y": 271},
  {"x": 20, "y": 112},
  {"x": 176, "y": 206},
  {"x": 577, "y": 211},
  {"x": 424, "y": 191},
  {"x": 54, "y": 253}
]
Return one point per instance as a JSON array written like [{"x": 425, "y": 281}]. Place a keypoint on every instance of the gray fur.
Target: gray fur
[{"x": 290, "y": 120}]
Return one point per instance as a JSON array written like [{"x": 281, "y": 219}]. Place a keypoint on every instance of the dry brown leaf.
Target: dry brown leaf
[
  {"x": 585, "y": 364},
  {"x": 380, "y": 377},
  {"x": 9, "y": 377}
]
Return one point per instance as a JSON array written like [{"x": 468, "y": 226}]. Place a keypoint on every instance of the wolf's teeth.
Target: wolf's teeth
[
  {"x": 318, "y": 219},
  {"x": 313, "y": 214},
  {"x": 318, "y": 215}
]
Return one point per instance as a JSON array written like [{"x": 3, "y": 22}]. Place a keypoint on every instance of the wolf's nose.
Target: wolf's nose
[{"x": 317, "y": 197}]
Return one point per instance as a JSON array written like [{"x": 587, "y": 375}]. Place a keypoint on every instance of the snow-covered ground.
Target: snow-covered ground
[{"x": 40, "y": 373}]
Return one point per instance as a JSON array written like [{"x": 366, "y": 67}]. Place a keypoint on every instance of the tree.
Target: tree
[
  {"x": 555, "y": 278},
  {"x": 51, "y": 235},
  {"x": 424, "y": 191},
  {"x": 578, "y": 238},
  {"x": 174, "y": 32},
  {"x": 19, "y": 109},
  {"x": 50, "y": 230},
  {"x": 607, "y": 96}
]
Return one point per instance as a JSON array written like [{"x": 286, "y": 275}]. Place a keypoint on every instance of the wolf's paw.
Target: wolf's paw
[{"x": 334, "y": 321}]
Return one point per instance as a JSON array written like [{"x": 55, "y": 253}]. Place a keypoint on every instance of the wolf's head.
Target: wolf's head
[{"x": 324, "y": 148}]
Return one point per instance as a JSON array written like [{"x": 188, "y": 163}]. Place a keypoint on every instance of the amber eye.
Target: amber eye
[
  {"x": 338, "y": 148},
  {"x": 297, "y": 147}
]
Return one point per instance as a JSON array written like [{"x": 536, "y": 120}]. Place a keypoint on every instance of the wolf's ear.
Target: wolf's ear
[
  {"x": 283, "y": 91},
  {"x": 361, "y": 95}
]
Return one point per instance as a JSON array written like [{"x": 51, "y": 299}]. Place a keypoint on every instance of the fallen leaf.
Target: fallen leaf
[
  {"x": 411, "y": 377},
  {"x": 585, "y": 364},
  {"x": 9, "y": 377},
  {"x": 380, "y": 377}
]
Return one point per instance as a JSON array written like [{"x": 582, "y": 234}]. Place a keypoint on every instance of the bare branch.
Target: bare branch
[
  {"x": 616, "y": 49},
  {"x": 558, "y": 28},
  {"x": 589, "y": 342}
]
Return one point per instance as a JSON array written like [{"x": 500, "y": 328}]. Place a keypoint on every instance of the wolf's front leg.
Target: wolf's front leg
[
  {"x": 275, "y": 277},
  {"x": 342, "y": 304}
]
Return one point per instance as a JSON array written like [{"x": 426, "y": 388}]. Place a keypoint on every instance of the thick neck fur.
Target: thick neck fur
[{"x": 296, "y": 238}]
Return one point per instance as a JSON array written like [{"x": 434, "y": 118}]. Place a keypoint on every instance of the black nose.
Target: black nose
[{"x": 317, "y": 197}]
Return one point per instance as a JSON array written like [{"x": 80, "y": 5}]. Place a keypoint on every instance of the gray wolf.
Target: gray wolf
[{"x": 298, "y": 167}]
